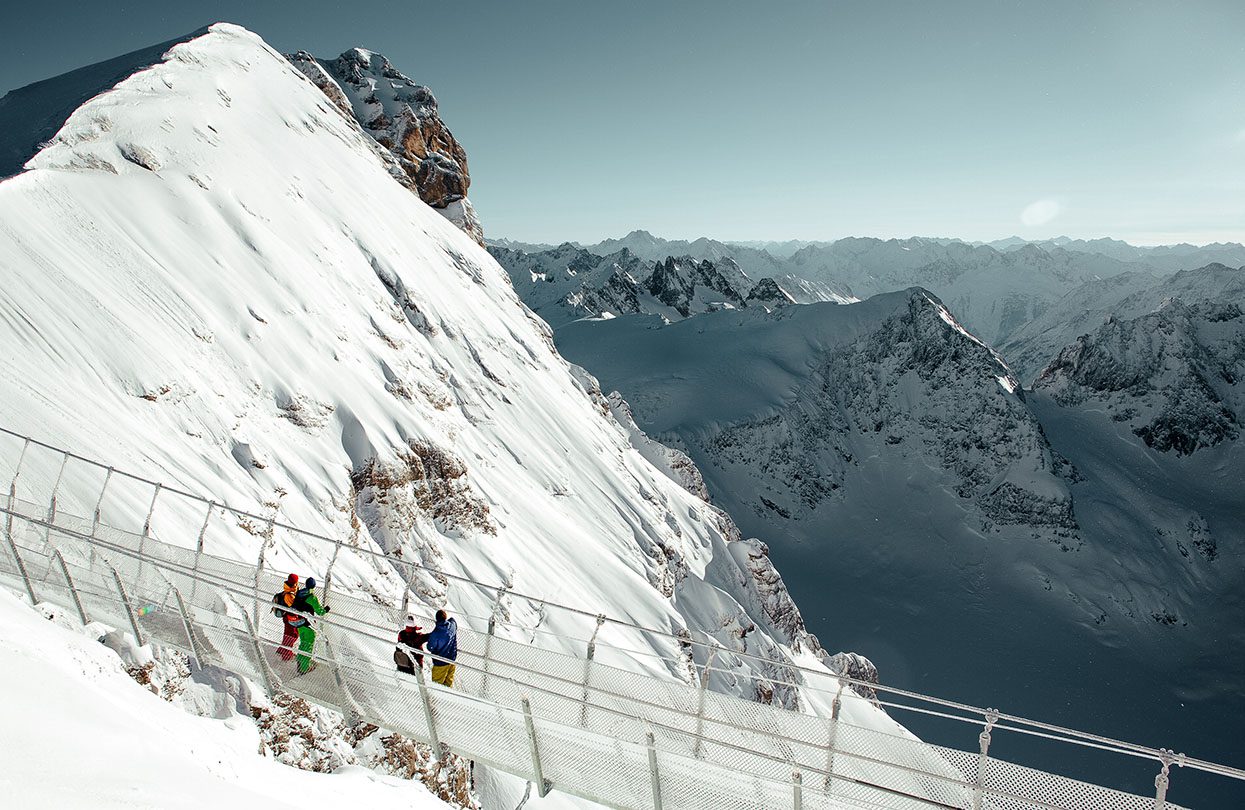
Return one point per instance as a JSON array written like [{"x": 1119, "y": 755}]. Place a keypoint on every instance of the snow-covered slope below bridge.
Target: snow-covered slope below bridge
[
  {"x": 81, "y": 734},
  {"x": 211, "y": 277}
]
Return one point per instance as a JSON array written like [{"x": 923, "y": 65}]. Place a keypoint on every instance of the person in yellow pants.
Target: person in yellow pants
[{"x": 443, "y": 644}]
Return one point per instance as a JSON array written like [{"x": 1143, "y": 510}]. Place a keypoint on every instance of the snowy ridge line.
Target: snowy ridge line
[
  {"x": 1051, "y": 731},
  {"x": 364, "y": 668}
]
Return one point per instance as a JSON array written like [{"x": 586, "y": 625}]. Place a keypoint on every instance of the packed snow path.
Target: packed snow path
[{"x": 571, "y": 724}]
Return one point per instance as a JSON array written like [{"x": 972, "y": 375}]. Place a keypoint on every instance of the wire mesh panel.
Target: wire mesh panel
[
  {"x": 1012, "y": 787},
  {"x": 589, "y": 722}
]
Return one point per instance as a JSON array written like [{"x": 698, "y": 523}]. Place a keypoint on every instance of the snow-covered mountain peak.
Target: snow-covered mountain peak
[{"x": 333, "y": 346}]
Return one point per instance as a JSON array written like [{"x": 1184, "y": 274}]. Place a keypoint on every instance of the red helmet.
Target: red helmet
[{"x": 292, "y": 579}]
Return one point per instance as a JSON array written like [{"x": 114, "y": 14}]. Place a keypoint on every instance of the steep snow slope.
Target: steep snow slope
[
  {"x": 882, "y": 434},
  {"x": 211, "y": 276},
  {"x": 80, "y": 733},
  {"x": 1126, "y": 296}
]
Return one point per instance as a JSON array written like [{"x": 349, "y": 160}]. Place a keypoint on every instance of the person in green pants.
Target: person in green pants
[{"x": 305, "y": 601}]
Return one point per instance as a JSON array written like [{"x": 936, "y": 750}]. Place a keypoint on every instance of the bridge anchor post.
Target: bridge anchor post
[
  {"x": 270, "y": 681},
  {"x": 835, "y": 708},
  {"x": 190, "y": 629},
  {"x": 1163, "y": 779},
  {"x": 797, "y": 790},
  {"x": 592, "y": 651},
  {"x": 73, "y": 591},
  {"x": 432, "y": 723},
  {"x": 194, "y": 572},
  {"x": 8, "y": 526},
  {"x": 652, "y": 769},
  {"x": 488, "y": 641},
  {"x": 129, "y": 607},
  {"x": 979, "y": 789},
  {"x": 542, "y": 784},
  {"x": 700, "y": 702}
]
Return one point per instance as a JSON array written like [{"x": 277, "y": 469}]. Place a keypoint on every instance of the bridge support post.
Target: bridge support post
[
  {"x": 190, "y": 628},
  {"x": 328, "y": 573},
  {"x": 259, "y": 572},
  {"x": 8, "y": 524},
  {"x": 73, "y": 591},
  {"x": 835, "y": 709},
  {"x": 1162, "y": 780},
  {"x": 700, "y": 701},
  {"x": 142, "y": 538},
  {"x": 488, "y": 642},
  {"x": 99, "y": 505},
  {"x": 797, "y": 790},
  {"x": 592, "y": 651},
  {"x": 979, "y": 789},
  {"x": 261, "y": 662},
  {"x": 652, "y": 769},
  {"x": 348, "y": 704},
  {"x": 542, "y": 784},
  {"x": 432, "y": 723},
  {"x": 194, "y": 575},
  {"x": 56, "y": 489},
  {"x": 17, "y": 558},
  {"x": 129, "y": 607}
]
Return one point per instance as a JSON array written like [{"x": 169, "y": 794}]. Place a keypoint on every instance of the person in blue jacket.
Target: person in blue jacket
[{"x": 443, "y": 644}]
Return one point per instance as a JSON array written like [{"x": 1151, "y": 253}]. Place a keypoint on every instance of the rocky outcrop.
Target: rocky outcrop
[
  {"x": 403, "y": 118},
  {"x": 684, "y": 284},
  {"x": 768, "y": 294},
  {"x": 858, "y": 668}
]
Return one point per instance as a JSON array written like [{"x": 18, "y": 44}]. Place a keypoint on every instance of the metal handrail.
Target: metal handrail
[{"x": 1053, "y": 731}]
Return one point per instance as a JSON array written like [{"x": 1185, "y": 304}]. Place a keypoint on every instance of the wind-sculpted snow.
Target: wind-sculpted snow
[{"x": 256, "y": 310}]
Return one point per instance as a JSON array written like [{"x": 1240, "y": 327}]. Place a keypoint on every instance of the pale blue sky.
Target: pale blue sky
[{"x": 775, "y": 120}]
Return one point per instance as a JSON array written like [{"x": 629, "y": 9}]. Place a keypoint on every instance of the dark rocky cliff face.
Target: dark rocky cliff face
[{"x": 403, "y": 118}]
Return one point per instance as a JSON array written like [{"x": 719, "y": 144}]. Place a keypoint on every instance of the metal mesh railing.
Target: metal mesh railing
[
  {"x": 604, "y": 732},
  {"x": 599, "y": 732}
]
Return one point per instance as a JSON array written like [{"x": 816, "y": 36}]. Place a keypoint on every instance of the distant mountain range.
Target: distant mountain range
[{"x": 995, "y": 290}]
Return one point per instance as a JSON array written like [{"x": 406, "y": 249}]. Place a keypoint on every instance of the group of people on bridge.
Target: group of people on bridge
[{"x": 295, "y": 606}]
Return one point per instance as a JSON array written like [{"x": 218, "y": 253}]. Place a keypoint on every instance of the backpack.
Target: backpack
[{"x": 285, "y": 598}]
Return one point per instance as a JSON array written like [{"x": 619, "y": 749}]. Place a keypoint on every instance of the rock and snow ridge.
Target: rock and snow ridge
[
  {"x": 213, "y": 277},
  {"x": 1173, "y": 376}
]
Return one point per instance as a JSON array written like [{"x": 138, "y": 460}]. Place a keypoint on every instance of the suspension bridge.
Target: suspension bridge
[{"x": 565, "y": 722}]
